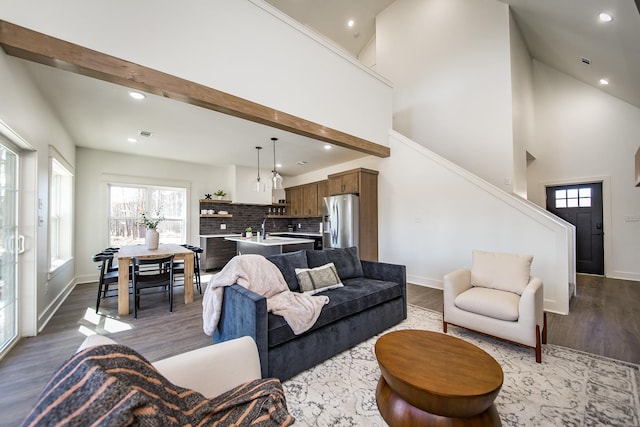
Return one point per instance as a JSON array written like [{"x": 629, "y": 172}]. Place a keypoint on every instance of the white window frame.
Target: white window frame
[
  {"x": 133, "y": 183},
  {"x": 61, "y": 220}
]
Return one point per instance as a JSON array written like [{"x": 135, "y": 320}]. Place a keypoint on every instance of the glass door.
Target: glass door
[{"x": 9, "y": 242}]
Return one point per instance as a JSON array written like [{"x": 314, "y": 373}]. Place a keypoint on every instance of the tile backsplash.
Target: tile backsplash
[{"x": 251, "y": 216}]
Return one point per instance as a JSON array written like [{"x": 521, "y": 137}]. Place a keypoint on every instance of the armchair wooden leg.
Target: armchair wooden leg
[
  {"x": 444, "y": 326},
  {"x": 538, "y": 345},
  {"x": 544, "y": 328}
]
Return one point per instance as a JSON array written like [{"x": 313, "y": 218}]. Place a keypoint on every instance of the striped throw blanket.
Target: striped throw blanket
[{"x": 112, "y": 385}]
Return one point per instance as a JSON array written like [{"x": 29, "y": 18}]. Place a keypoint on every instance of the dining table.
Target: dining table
[{"x": 126, "y": 253}]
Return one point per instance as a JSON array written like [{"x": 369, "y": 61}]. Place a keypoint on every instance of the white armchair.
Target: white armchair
[
  {"x": 497, "y": 297},
  {"x": 209, "y": 370}
]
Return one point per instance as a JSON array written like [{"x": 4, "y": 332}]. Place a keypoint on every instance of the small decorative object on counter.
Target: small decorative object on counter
[
  {"x": 207, "y": 196},
  {"x": 220, "y": 194},
  {"x": 248, "y": 232}
]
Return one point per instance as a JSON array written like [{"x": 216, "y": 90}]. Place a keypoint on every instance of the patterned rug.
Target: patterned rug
[{"x": 569, "y": 387}]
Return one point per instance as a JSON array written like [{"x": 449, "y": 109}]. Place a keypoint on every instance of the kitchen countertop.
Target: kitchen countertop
[
  {"x": 270, "y": 240},
  {"x": 299, "y": 233},
  {"x": 206, "y": 236}
]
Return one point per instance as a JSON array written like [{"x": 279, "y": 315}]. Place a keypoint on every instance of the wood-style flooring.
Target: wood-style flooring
[{"x": 604, "y": 320}]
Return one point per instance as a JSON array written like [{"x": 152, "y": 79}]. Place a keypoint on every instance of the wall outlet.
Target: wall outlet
[
  {"x": 223, "y": 226},
  {"x": 299, "y": 226}
]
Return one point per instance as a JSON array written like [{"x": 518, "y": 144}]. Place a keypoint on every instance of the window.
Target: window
[
  {"x": 128, "y": 201},
  {"x": 60, "y": 213},
  {"x": 573, "y": 198}
]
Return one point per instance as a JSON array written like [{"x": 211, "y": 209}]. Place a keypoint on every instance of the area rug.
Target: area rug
[{"x": 569, "y": 387}]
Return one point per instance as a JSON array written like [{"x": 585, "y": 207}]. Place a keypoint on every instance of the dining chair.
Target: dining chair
[
  {"x": 178, "y": 268},
  {"x": 107, "y": 276},
  {"x": 152, "y": 273}
]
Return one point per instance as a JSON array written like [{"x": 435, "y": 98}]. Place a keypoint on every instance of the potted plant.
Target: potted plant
[
  {"x": 248, "y": 231},
  {"x": 152, "y": 237},
  {"x": 220, "y": 194}
]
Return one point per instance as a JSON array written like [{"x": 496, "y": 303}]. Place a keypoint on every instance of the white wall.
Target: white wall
[
  {"x": 94, "y": 170},
  {"x": 523, "y": 107},
  {"x": 23, "y": 109},
  {"x": 589, "y": 136},
  {"x": 239, "y": 47},
  {"x": 449, "y": 61},
  {"x": 432, "y": 218}
]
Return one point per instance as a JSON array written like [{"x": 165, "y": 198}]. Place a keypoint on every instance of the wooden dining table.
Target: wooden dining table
[{"x": 126, "y": 253}]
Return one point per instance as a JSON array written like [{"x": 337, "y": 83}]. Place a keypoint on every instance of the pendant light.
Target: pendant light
[
  {"x": 276, "y": 179},
  {"x": 258, "y": 185}
]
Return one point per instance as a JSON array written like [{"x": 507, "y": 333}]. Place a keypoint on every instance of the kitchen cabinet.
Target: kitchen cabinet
[
  {"x": 323, "y": 191},
  {"x": 363, "y": 182},
  {"x": 306, "y": 200},
  {"x": 217, "y": 251},
  {"x": 294, "y": 198},
  {"x": 345, "y": 182},
  {"x": 310, "y": 199}
]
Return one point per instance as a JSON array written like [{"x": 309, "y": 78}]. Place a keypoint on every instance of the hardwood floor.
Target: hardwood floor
[{"x": 604, "y": 319}]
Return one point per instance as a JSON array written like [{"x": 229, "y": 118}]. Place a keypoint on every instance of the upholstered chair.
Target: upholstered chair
[{"x": 497, "y": 297}]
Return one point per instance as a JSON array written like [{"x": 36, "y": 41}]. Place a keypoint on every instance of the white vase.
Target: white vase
[{"x": 152, "y": 238}]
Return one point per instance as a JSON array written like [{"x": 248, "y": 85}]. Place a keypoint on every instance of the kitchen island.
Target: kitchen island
[
  {"x": 216, "y": 250},
  {"x": 271, "y": 245}
]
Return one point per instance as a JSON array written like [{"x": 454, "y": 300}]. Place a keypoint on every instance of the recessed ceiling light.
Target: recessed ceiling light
[
  {"x": 132, "y": 140},
  {"x": 278, "y": 165},
  {"x": 605, "y": 17},
  {"x": 145, "y": 133},
  {"x": 604, "y": 82},
  {"x": 136, "y": 95},
  {"x": 327, "y": 147},
  {"x": 351, "y": 23}
]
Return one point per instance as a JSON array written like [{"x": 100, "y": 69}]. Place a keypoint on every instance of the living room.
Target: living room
[{"x": 411, "y": 231}]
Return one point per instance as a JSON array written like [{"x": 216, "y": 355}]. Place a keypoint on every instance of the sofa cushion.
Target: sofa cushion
[
  {"x": 318, "y": 279},
  {"x": 287, "y": 263},
  {"x": 501, "y": 305},
  {"x": 357, "y": 294},
  {"x": 505, "y": 272},
  {"x": 346, "y": 260}
]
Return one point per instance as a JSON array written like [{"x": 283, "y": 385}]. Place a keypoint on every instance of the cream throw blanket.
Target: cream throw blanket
[{"x": 261, "y": 276}]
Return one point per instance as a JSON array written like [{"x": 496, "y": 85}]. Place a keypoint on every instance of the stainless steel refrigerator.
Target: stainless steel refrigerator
[{"x": 340, "y": 221}]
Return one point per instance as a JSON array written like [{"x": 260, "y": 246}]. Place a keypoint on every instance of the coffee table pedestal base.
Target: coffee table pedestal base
[{"x": 397, "y": 412}]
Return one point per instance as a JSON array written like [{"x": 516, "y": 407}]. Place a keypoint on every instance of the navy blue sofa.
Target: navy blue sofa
[{"x": 373, "y": 299}]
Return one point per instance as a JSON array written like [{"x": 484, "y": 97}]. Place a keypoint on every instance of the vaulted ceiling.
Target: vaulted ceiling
[{"x": 564, "y": 34}]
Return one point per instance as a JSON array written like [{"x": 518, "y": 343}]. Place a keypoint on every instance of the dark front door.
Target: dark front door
[{"x": 581, "y": 205}]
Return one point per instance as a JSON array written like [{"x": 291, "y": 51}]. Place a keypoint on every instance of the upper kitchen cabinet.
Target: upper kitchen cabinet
[
  {"x": 352, "y": 181},
  {"x": 294, "y": 198},
  {"x": 323, "y": 191},
  {"x": 306, "y": 200}
]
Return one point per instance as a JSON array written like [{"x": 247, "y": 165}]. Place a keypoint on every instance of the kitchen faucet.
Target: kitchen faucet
[{"x": 264, "y": 228}]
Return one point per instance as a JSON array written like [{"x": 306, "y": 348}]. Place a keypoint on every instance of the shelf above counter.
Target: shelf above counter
[
  {"x": 216, "y": 216},
  {"x": 215, "y": 201}
]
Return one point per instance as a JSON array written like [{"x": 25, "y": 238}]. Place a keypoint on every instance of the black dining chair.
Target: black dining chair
[
  {"x": 107, "y": 277},
  {"x": 152, "y": 273},
  {"x": 179, "y": 265}
]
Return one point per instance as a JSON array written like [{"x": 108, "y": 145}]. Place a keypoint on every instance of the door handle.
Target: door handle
[{"x": 20, "y": 244}]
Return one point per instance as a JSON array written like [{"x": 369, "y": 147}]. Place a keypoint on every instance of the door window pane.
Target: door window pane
[
  {"x": 573, "y": 198},
  {"x": 8, "y": 247}
]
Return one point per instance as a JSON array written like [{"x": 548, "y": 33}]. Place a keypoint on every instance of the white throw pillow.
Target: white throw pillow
[
  {"x": 505, "y": 272},
  {"x": 314, "y": 280}
]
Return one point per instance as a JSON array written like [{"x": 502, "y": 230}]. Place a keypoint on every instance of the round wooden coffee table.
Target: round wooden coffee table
[{"x": 430, "y": 378}]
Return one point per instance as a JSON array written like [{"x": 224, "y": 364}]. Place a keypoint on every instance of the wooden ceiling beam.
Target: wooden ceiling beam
[{"x": 37, "y": 47}]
